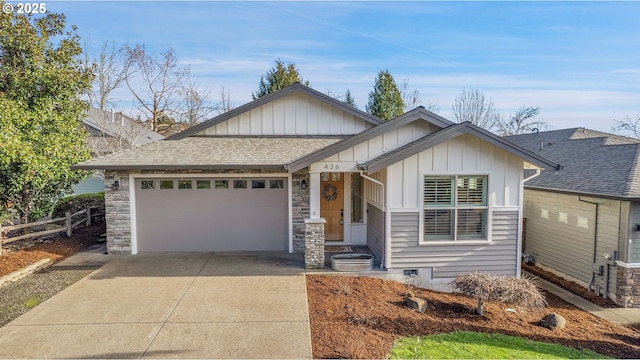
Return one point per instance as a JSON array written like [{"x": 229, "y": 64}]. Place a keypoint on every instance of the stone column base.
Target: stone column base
[
  {"x": 314, "y": 243},
  {"x": 628, "y": 286}
]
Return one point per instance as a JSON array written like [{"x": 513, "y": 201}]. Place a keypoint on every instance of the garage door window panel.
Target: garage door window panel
[
  {"x": 276, "y": 184},
  {"x": 222, "y": 184},
  {"x": 258, "y": 184},
  {"x": 166, "y": 184},
  {"x": 239, "y": 184},
  {"x": 147, "y": 185},
  {"x": 203, "y": 184},
  {"x": 184, "y": 184}
]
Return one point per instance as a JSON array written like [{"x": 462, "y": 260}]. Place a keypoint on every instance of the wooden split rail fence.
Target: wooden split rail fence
[{"x": 67, "y": 227}]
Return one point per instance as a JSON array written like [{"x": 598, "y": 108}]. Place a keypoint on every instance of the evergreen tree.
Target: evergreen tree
[
  {"x": 385, "y": 101},
  {"x": 278, "y": 77}
]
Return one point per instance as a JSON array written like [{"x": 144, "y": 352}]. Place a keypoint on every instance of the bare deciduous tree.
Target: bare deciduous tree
[
  {"x": 154, "y": 80},
  {"x": 628, "y": 126},
  {"x": 472, "y": 106},
  {"x": 225, "y": 101},
  {"x": 195, "y": 104},
  {"x": 521, "y": 122},
  {"x": 110, "y": 73}
]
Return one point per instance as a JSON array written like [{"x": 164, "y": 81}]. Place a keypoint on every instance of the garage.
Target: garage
[{"x": 211, "y": 214}]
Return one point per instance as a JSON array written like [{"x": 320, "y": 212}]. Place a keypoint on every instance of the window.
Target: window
[
  {"x": 222, "y": 184},
  {"x": 166, "y": 184},
  {"x": 147, "y": 184},
  {"x": 258, "y": 184},
  {"x": 239, "y": 184},
  {"x": 203, "y": 184},
  {"x": 184, "y": 184},
  {"x": 455, "y": 207},
  {"x": 276, "y": 184}
]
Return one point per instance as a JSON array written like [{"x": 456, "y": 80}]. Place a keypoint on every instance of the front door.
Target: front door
[{"x": 332, "y": 205}]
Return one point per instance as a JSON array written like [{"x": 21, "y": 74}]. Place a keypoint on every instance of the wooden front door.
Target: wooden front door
[{"x": 332, "y": 205}]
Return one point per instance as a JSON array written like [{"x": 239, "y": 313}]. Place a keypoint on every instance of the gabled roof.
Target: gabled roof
[
  {"x": 119, "y": 126},
  {"x": 196, "y": 152},
  {"x": 419, "y": 113},
  {"x": 271, "y": 97},
  {"x": 448, "y": 133},
  {"x": 595, "y": 163}
]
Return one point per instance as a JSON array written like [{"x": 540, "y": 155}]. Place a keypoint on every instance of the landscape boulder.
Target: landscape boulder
[
  {"x": 418, "y": 304},
  {"x": 553, "y": 321}
]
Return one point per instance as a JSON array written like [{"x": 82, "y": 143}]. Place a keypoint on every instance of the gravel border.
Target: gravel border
[{"x": 22, "y": 295}]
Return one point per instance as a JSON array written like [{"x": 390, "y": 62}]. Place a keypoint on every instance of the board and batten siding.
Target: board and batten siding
[
  {"x": 465, "y": 154},
  {"x": 388, "y": 141},
  {"x": 561, "y": 231},
  {"x": 375, "y": 231},
  {"x": 294, "y": 114},
  {"x": 449, "y": 260}
]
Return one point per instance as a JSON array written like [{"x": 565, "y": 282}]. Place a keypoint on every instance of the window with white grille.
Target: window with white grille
[{"x": 455, "y": 207}]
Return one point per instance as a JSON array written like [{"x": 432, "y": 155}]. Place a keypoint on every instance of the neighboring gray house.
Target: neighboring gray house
[
  {"x": 584, "y": 221},
  {"x": 110, "y": 132},
  {"x": 294, "y": 168}
]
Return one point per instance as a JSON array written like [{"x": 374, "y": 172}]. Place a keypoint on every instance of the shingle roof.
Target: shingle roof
[
  {"x": 593, "y": 162},
  {"x": 120, "y": 126},
  {"x": 212, "y": 153}
]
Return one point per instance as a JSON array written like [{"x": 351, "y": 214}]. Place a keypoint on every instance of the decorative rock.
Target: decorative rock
[
  {"x": 418, "y": 304},
  {"x": 553, "y": 321}
]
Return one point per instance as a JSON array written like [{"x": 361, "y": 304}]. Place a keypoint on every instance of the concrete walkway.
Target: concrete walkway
[
  {"x": 171, "y": 305},
  {"x": 614, "y": 315}
]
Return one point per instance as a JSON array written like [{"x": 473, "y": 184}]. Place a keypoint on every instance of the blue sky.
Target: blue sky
[{"x": 578, "y": 61}]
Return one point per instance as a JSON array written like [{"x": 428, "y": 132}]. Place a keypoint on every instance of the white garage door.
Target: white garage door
[{"x": 202, "y": 214}]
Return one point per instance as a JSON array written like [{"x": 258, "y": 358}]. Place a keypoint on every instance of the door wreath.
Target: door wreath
[{"x": 330, "y": 192}]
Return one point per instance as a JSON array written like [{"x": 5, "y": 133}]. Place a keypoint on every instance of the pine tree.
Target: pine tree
[{"x": 385, "y": 101}]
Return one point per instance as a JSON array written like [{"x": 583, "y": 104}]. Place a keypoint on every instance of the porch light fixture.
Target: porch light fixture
[
  {"x": 115, "y": 185},
  {"x": 303, "y": 184}
]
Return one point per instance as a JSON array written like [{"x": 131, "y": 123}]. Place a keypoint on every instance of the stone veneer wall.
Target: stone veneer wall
[
  {"x": 314, "y": 244},
  {"x": 628, "y": 287},
  {"x": 300, "y": 208},
  {"x": 118, "y": 206},
  {"x": 118, "y": 213}
]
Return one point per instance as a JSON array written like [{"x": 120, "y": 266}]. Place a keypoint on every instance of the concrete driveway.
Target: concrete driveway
[{"x": 172, "y": 305}]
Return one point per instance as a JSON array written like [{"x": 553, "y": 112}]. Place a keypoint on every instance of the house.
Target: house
[
  {"x": 110, "y": 132},
  {"x": 584, "y": 222},
  {"x": 295, "y": 168}
]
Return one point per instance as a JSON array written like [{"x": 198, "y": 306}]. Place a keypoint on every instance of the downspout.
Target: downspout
[
  {"x": 384, "y": 193},
  {"x": 595, "y": 242}
]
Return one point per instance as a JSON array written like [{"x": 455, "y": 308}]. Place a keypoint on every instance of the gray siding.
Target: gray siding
[
  {"x": 561, "y": 232},
  {"x": 375, "y": 231},
  {"x": 448, "y": 260},
  {"x": 88, "y": 186}
]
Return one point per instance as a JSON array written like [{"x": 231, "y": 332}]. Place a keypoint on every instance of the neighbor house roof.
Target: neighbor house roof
[
  {"x": 248, "y": 152},
  {"x": 448, "y": 133},
  {"x": 117, "y": 125},
  {"x": 594, "y": 162},
  {"x": 297, "y": 87}
]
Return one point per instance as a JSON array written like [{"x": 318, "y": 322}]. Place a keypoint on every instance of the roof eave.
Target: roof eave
[
  {"x": 181, "y": 167},
  {"x": 584, "y": 193}
]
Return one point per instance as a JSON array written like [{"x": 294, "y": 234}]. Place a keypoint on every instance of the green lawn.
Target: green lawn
[{"x": 470, "y": 345}]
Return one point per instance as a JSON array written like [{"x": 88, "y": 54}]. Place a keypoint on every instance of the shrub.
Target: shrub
[
  {"x": 520, "y": 292},
  {"x": 76, "y": 203}
]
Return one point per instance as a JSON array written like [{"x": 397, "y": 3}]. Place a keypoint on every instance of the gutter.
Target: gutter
[
  {"x": 387, "y": 242},
  {"x": 532, "y": 176}
]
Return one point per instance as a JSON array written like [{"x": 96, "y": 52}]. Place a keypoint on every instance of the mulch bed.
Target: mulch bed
[
  {"x": 361, "y": 317},
  {"x": 570, "y": 286},
  {"x": 55, "y": 248}
]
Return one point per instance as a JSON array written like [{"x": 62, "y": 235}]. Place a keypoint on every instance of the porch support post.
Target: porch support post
[
  {"x": 314, "y": 195},
  {"x": 314, "y": 243}
]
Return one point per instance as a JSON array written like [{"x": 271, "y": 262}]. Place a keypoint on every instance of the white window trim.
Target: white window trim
[{"x": 489, "y": 208}]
